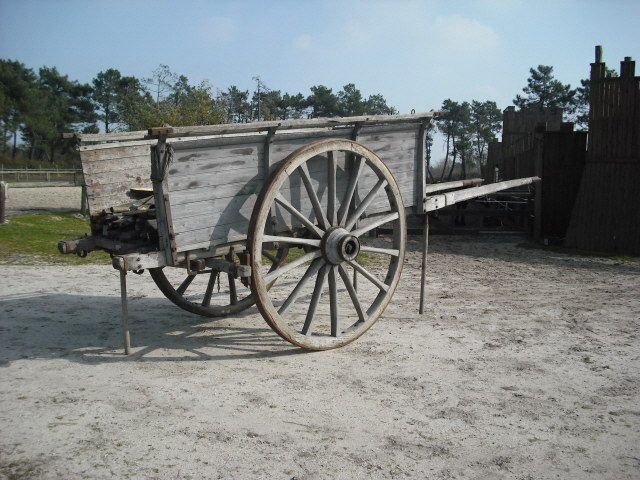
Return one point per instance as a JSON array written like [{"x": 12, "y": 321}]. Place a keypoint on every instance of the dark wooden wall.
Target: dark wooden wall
[
  {"x": 563, "y": 155},
  {"x": 606, "y": 216},
  {"x": 519, "y": 139},
  {"x": 538, "y": 142}
]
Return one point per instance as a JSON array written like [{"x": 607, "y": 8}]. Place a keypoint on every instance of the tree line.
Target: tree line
[
  {"x": 36, "y": 106},
  {"x": 468, "y": 127}
]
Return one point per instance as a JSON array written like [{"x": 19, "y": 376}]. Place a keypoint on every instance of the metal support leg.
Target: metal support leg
[
  {"x": 125, "y": 312},
  {"x": 423, "y": 276}
]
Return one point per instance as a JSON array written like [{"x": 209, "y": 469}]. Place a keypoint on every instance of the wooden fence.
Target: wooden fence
[
  {"x": 39, "y": 177},
  {"x": 537, "y": 142},
  {"x": 606, "y": 216}
]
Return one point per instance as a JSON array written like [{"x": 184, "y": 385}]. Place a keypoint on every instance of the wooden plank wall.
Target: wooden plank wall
[
  {"x": 606, "y": 217},
  {"x": 517, "y": 154},
  {"x": 213, "y": 184},
  {"x": 563, "y": 159},
  {"x": 494, "y": 159},
  {"x": 111, "y": 170}
]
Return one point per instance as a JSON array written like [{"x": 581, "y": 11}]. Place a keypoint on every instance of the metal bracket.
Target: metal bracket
[
  {"x": 232, "y": 268},
  {"x": 193, "y": 266},
  {"x": 218, "y": 264}
]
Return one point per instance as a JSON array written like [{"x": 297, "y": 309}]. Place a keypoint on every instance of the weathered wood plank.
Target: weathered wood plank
[
  {"x": 112, "y": 137},
  {"x": 299, "y": 124},
  {"x": 110, "y": 173},
  {"x": 139, "y": 163},
  {"x": 208, "y": 200},
  {"x": 212, "y": 225},
  {"x": 130, "y": 176},
  {"x": 109, "y": 152},
  {"x": 218, "y": 159}
]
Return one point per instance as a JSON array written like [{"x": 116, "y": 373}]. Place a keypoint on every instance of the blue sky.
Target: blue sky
[{"x": 416, "y": 53}]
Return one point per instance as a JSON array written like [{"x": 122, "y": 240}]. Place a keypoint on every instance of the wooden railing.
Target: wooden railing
[{"x": 40, "y": 177}]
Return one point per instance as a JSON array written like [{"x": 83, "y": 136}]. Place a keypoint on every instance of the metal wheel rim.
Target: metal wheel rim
[{"x": 267, "y": 198}]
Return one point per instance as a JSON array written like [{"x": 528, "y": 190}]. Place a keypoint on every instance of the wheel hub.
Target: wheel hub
[{"x": 338, "y": 246}]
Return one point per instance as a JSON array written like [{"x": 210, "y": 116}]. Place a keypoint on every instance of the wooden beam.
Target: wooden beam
[
  {"x": 111, "y": 137},
  {"x": 231, "y": 128},
  {"x": 436, "y": 202},
  {"x": 158, "y": 131},
  {"x": 438, "y": 187},
  {"x": 295, "y": 124}
]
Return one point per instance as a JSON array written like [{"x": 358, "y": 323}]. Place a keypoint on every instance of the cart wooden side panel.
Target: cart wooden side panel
[
  {"x": 111, "y": 170},
  {"x": 213, "y": 184}
]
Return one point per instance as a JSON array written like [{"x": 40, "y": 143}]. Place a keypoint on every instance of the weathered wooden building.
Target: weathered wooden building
[
  {"x": 606, "y": 215},
  {"x": 538, "y": 142}
]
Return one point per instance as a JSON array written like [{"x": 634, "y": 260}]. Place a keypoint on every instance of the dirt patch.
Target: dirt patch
[
  {"x": 525, "y": 365},
  {"x": 37, "y": 199}
]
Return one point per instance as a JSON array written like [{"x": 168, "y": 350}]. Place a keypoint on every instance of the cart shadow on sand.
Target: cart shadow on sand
[{"x": 87, "y": 329}]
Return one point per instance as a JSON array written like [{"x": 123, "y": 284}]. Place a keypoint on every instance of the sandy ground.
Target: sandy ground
[
  {"x": 25, "y": 200},
  {"x": 525, "y": 366}
]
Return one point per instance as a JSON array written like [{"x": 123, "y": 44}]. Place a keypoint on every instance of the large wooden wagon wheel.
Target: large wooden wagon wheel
[
  {"x": 211, "y": 293},
  {"x": 317, "y": 188}
]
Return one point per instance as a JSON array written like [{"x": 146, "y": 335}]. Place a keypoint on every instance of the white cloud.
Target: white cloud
[
  {"x": 303, "y": 42},
  {"x": 457, "y": 33},
  {"x": 220, "y": 30}
]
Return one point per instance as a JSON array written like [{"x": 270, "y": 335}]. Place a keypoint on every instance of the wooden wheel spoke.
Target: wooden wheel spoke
[
  {"x": 315, "y": 298},
  {"x": 308, "y": 313},
  {"x": 366, "y": 274},
  {"x": 291, "y": 240},
  {"x": 185, "y": 284},
  {"x": 233, "y": 293},
  {"x": 296, "y": 213},
  {"x": 352, "y": 293},
  {"x": 380, "y": 221},
  {"x": 353, "y": 218},
  {"x": 313, "y": 197},
  {"x": 353, "y": 183},
  {"x": 331, "y": 188},
  {"x": 333, "y": 300},
  {"x": 394, "y": 252},
  {"x": 206, "y": 301},
  {"x": 313, "y": 269},
  {"x": 290, "y": 266}
]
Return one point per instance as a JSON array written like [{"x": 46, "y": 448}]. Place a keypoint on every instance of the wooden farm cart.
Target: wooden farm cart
[{"x": 225, "y": 216}]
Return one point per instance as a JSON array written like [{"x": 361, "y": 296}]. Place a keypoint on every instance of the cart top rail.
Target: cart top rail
[{"x": 253, "y": 127}]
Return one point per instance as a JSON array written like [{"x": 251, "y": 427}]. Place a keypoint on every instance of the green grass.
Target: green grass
[{"x": 33, "y": 239}]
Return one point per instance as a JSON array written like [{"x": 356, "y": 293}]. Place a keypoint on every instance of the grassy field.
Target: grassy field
[{"x": 33, "y": 239}]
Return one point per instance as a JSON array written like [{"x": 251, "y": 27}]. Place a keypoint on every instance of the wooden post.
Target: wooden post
[
  {"x": 84, "y": 208},
  {"x": 354, "y": 137},
  {"x": 598, "y": 53},
  {"x": 266, "y": 167},
  {"x": 538, "y": 169},
  {"x": 423, "y": 276},
  {"x": 3, "y": 202},
  {"x": 598, "y": 67},
  {"x": 125, "y": 312}
]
